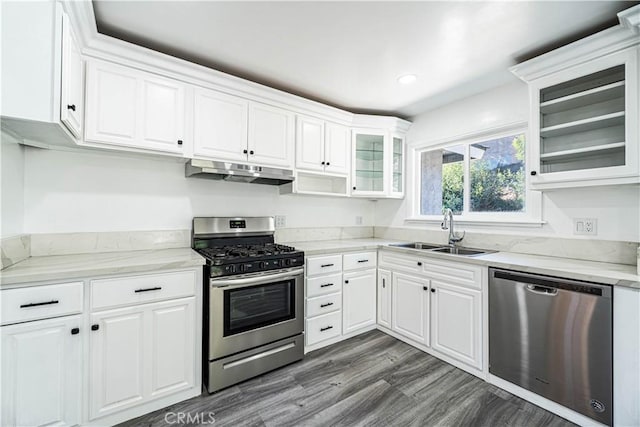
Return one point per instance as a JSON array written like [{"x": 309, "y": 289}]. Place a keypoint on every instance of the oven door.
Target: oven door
[{"x": 248, "y": 312}]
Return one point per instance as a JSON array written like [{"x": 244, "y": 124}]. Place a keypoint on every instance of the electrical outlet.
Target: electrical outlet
[
  {"x": 358, "y": 220},
  {"x": 585, "y": 226},
  {"x": 281, "y": 221}
]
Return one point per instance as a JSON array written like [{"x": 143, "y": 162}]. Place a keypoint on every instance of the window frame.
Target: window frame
[{"x": 530, "y": 217}]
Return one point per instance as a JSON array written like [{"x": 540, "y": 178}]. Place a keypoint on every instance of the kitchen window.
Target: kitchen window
[{"x": 481, "y": 179}]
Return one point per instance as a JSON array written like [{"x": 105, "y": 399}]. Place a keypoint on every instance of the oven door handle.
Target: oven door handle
[{"x": 257, "y": 280}]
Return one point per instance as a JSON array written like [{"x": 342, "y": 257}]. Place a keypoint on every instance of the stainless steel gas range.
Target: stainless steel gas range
[{"x": 254, "y": 299}]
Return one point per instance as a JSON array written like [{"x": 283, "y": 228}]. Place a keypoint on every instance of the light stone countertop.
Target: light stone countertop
[
  {"x": 601, "y": 272},
  {"x": 66, "y": 267}
]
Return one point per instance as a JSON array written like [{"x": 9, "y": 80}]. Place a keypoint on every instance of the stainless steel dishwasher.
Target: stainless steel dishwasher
[{"x": 553, "y": 336}]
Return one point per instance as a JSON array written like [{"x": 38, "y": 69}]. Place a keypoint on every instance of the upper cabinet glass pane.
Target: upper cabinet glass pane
[
  {"x": 582, "y": 122},
  {"x": 398, "y": 159},
  {"x": 369, "y": 173}
]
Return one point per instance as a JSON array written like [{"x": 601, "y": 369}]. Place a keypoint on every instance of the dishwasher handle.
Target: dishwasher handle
[
  {"x": 542, "y": 290},
  {"x": 542, "y": 284}
]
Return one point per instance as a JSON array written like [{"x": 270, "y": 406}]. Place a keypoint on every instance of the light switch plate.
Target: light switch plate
[
  {"x": 585, "y": 226},
  {"x": 358, "y": 220}
]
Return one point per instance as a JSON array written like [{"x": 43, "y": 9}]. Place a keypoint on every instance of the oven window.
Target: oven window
[{"x": 257, "y": 306}]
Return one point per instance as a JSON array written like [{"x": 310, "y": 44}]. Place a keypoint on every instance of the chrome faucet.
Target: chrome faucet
[{"x": 447, "y": 224}]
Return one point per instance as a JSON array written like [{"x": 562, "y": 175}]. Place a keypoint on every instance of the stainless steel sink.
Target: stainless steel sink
[
  {"x": 461, "y": 251},
  {"x": 417, "y": 245}
]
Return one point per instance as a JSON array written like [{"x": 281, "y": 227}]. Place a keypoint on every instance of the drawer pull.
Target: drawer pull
[
  {"x": 37, "y": 304},
  {"x": 419, "y": 263},
  {"x": 363, "y": 260},
  {"x": 75, "y": 331},
  {"x": 95, "y": 327},
  {"x": 326, "y": 284},
  {"x": 326, "y": 305},
  {"x": 326, "y": 328},
  {"x": 157, "y": 288},
  {"x": 326, "y": 265}
]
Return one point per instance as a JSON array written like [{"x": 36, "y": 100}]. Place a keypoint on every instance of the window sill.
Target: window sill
[{"x": 485, "y": 222}]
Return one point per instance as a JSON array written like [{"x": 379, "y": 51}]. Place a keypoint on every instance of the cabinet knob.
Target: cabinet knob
[
  {"x": 75, "y": 331},
  {"x": 419, "y": 263},
  {"x": 328, "y": 163},
  {"x": 71, "y": 107},
  {"x": 179, "y": 142},
  {"x": 322, "y": 163},
  {"x": 251, "y": 152},
  {"x": 95, "y": 327},
  {"x": 245, "y": 151},
  {"x": 424, "y": 288},
  {"x": 346, "y": 281},
  {"x": 354, "y": 188},
  {"x": 534, "y": 173},
  {"x": 433, "y": 290}
]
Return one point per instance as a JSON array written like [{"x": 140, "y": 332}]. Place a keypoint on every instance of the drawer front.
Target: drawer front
[
  {"x": 460, "y": 273},
  {"x": 324, "y": 304},
  {"x": 401, "y": 262},
  {"x": 323, "y": 264},
  {"x": 41, "y": 302},
  {"x": 360, "y": 260},
  {"x": 323, "y": 285},
  {"x": 106, "y": 293},
  {"x": 323, "y": 327}
]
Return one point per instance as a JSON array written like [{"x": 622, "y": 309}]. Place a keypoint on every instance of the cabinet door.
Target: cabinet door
[
  {"x": 384, "y": 298},
  {"x": 72, "y": 94},
  {"x": 41, "y": 370},
  {"x": 220, "y": 126},
  {"x": 337, "y": 148},
  {"x": 172, "y": 346},
  {"x": 271, "y": 135},
  {"x": 310, "y": 143},
  {"x": 162, "y": 114},
  {"x": 112, "y": 104},
  {"x": 358, "y": 300},
  {"x": 397, "y": 166},
  {"x": 368, "y": 162},
  {"x": 456, "y": 322},
  {"x": 117, "y": 362},
  {"x": 410, "y": 307}
]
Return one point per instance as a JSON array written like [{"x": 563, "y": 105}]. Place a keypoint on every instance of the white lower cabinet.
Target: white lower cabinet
[
  {"x": 358, "y": 300},
  {"x": 384, "y": 298},
  {"x": 41, "y": 372},
  {"x": 410, "y": 307},
  {"x": 140, "y": 353},
  {"x": 456, "y": 322}
]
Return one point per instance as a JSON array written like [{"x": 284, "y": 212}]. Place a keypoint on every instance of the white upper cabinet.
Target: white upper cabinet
[
  {"x": 72, "y": 90},
  {"x": 322, "y": 146},
  {"x": 310, "y": 144},
  {"x": 134, "y": 108},
  {"x": 271, "y": 135},
  {"x": 337, "y": 148},
  {"x": 220, "y": 125}
]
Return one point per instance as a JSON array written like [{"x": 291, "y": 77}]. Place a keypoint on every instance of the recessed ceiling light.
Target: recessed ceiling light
[{"x": 407, "y": 79}]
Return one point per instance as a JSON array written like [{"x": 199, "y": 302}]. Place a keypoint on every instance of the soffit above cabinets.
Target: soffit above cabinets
[{"x": 350, "y": 54}]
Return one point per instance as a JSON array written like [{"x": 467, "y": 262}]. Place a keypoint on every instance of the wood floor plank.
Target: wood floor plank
[{"x": 372, "y": 379}]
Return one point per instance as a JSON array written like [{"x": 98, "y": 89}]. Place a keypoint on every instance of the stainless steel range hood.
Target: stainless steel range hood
[{"x": 238, "y": 172}]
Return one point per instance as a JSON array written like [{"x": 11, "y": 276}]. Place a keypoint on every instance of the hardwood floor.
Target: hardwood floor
[{"x": 372, "y": 379}]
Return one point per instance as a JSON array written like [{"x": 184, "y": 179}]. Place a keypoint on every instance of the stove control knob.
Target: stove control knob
[
  {"x": 287, "y": 262},
  {"x": 262, "y": 265},
  {"x": 243, "y": 268},
  {"x": 231, "y": 269}
]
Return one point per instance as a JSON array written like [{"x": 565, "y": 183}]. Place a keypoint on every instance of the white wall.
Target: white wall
[
  {"x": 11, "y": 187},
  {"x": 76, "y": 192},
  {"x": 617, "y": 209}
]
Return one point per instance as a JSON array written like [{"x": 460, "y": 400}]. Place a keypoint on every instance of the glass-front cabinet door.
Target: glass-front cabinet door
[
  {"x": 369, "y": 159},
  {"x": 397, "y": 166}
]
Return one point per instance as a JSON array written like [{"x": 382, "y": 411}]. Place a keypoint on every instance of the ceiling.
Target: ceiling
[{"x": 350, "y": 54}]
